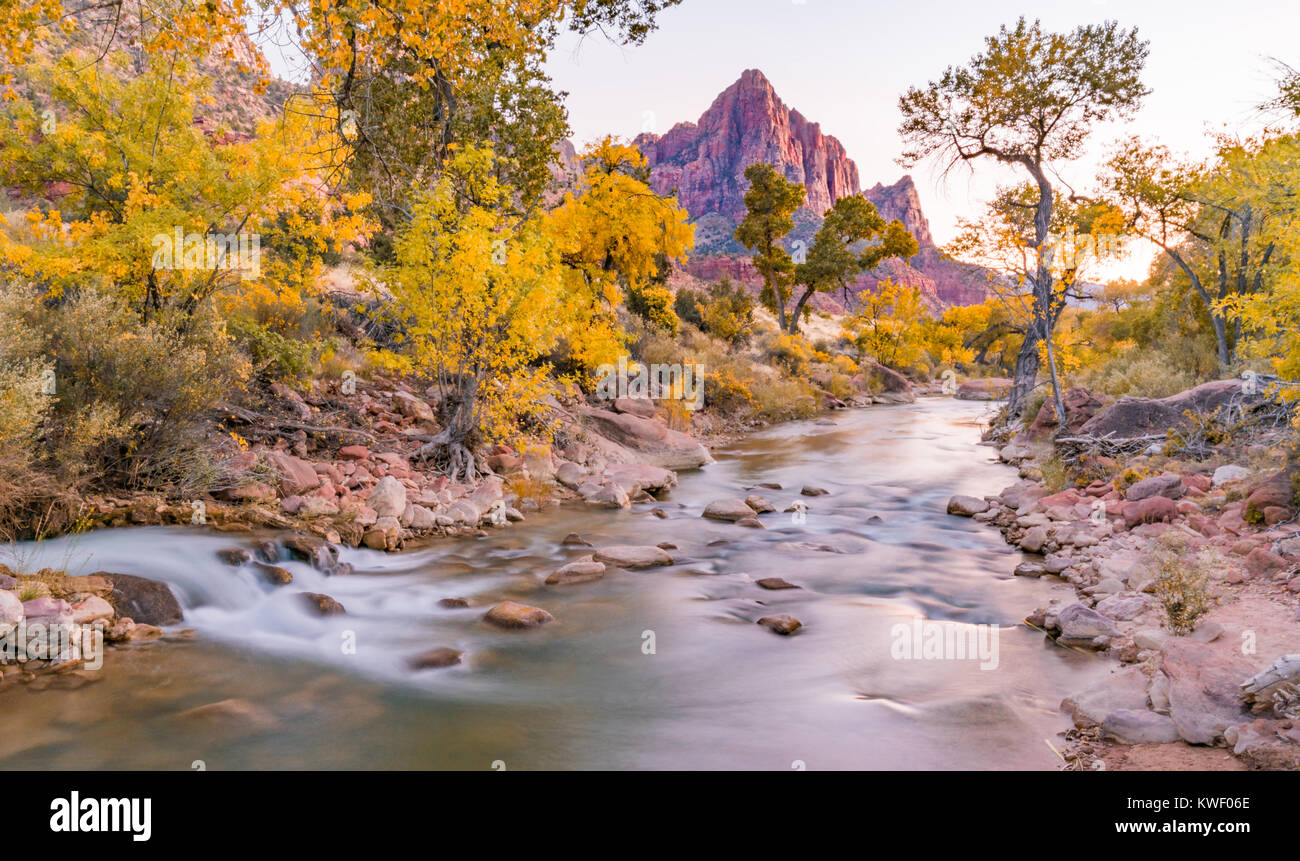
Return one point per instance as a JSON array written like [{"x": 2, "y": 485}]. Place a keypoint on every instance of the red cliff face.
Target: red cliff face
[{"x": 704, "y": 163}]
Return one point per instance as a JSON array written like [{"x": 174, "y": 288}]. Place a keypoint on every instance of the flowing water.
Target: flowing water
[{"x": 588, "y": 691}]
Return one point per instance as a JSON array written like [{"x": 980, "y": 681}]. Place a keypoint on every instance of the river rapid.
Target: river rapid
[{"x": 649, "y": 669}]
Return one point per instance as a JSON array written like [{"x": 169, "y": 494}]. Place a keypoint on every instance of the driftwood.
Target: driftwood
[{"x": 1073, "y": 448}]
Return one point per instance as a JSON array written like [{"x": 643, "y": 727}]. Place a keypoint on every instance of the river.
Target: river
[{"x": 587, "y": 691}]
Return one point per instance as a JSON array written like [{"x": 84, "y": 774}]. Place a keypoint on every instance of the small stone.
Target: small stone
[
  {"x": 573, "y": 539},
  {"x": 235, "y": 556},
  {"x": 783, "y": 624},
  {"x": 814, "y": 491},
  {"x": 435, "y": 659},
  {"x": 453, "y": 603},
  {"x": 775, "y": 583},
  {"x": 273, "y": 574}
]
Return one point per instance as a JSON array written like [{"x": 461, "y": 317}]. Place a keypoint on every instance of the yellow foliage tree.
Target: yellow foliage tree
[{"x": 614, "y": 234}]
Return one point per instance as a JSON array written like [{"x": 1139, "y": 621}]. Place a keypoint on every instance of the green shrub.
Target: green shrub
[{"x": 688, "y": 304}]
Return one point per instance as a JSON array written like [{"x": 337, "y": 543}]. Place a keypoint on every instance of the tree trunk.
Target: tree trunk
[
  {"x": 1025, "y": 376},
  {"x": 1041, "y": 319},
  {"x": 798, "y": 311},
  {"x": 1059, "y": 402}
]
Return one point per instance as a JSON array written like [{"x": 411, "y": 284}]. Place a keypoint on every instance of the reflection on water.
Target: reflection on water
[{"x": 718, "y": 691}]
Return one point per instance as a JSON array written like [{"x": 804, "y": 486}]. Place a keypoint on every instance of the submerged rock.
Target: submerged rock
[
  {"x": 321, "y": 605},
  {"x": 435, "y": 659}
]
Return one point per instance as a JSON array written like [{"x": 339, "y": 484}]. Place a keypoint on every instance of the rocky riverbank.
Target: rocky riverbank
[{"x": 1186, "y": 572}]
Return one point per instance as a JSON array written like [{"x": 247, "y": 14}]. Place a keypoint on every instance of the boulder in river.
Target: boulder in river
[
  {"x": 235, "y": 556},
  {"x": 759, "y": 504},
  {"x": 775, "y": 583},
  {"x": 314, "y": 550},
  {"x": 1081, "y": 624},
  {"x": 582, "y": 571},
  {"x": 435, "y": 659},
  {"x": 321, "y": 605},
  {"x": 728, "y": 509},
  {"x": 967, "y": 506},
  {"x": 146, "y": 601},
  {"x": 783, "y": 624},
  {"x": 512, "y": 614},
  {"x": 273, "y": 574},
  {"x": 633, "y": 556}
]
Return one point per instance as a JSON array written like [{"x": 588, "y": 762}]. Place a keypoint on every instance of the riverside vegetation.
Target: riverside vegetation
[{"x": 417, "y": 350}]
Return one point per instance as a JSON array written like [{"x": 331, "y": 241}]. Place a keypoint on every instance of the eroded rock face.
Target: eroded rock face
[
  {"x": 704, "y": 163},
  {"x": 1080, "y": 406},
  {"x": 1134, "y": 417},
  {"x": 1204, "y": 689},
  {"x": 647, "y": 440},
  {"x": 747, "y": 123}
]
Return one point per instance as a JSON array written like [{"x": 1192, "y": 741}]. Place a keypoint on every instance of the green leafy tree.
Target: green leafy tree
[
  {"x": 833, "y": 260},
  {"x": 770, "y": 204}
]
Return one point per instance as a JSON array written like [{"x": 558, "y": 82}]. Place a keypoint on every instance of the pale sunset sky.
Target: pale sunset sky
[{"x": 844, "y": 64}]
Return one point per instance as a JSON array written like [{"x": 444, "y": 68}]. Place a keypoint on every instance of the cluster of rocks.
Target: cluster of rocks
[
  {"x": 126, "y": 608},
  {"x": 1239, "y": 525},
  {"x": 381, "y": 494}
]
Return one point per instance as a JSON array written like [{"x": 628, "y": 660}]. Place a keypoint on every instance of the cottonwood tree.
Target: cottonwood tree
[
  {"x": 1006, "y": 237},
  {"x": 1029, "y": 100},
  {"x": 853, "y": 238},
  {"x": 770, "y": 204},
  {"x": 1219, "y": 223}
]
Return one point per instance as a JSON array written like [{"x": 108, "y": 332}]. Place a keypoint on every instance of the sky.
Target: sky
[{"x": 844, "y": 64}]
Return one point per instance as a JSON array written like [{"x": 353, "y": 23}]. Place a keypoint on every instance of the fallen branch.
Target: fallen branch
[{"x": 263, "y": 420}]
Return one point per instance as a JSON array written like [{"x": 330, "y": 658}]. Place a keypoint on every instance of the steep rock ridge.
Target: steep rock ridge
[{"x": 704, "y": 163}]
